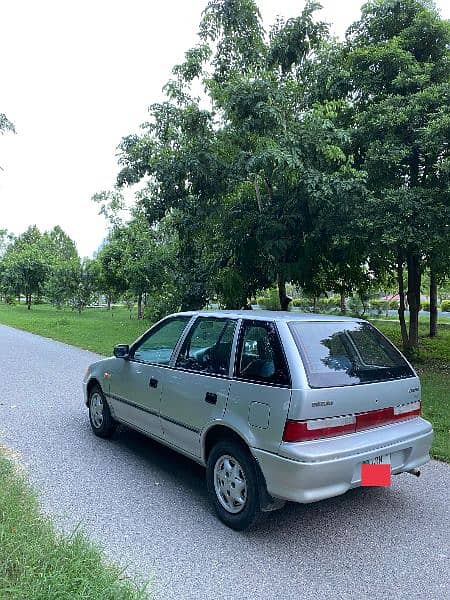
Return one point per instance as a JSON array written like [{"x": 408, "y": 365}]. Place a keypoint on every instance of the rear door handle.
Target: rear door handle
[
  {"x": 210, "y": 398},
  {"x": 153, "y": 383}
]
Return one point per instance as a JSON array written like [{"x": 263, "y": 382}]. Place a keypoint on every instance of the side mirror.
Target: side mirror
[{"x": 122, "y": 351}]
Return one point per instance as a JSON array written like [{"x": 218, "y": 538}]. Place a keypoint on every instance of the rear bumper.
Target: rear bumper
[{"x": 310, "y": 471}]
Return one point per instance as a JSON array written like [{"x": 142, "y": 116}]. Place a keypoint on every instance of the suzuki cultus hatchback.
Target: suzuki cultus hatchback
[{"x": 277, "y": 405}]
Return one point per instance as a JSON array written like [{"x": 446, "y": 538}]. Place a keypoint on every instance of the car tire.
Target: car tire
[
  {"x": 232, "y": 481},
  {"x": 102, "y": 423}
]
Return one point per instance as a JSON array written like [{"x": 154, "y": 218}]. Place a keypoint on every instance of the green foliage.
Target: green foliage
[
  {"x": 355, "y": 305},
  {"x": 63, "y": 279},
  {"x": 393, "y": 304},
  {"x": 303, "y": 303},
  {"x": 38, "y": 562},
  {"x": 425, "y": 306},
  {"x": 380, "y": 305},
  {"x": 160, "y": 305},
  {"x": 398, "y": 61},
  {"x": 25, "y": 265},
  {"x": 251, "y": 182},
  {"x": 445, "y": 305},
  {"x": 270, "y": 300}
]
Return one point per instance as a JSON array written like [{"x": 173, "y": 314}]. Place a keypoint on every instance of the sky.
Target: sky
[{"x": 77, "y": 76}]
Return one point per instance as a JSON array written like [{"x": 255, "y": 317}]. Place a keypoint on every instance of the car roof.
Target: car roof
[{"x": 268, "y": 315}]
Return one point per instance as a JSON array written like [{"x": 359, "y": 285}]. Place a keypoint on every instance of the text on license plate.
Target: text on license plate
[{"x": 384, "y": 459}]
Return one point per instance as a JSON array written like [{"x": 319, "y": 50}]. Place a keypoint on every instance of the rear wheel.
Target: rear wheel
[
  {"x": 233, "y": 484},
  {"x": 100, "y": 417}
]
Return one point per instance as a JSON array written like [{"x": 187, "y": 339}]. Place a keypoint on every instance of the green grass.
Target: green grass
[
  {"x": 99, "y": 330},
  {"x": 95, "y": 329},
  {"x": 38, "y": 563}
]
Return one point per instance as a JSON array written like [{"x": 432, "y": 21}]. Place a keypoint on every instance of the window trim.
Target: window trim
[
  {"x": 156, "y": 327},
  {"x": 174, "y": 358},
  {"x": 238, "y": 350}
]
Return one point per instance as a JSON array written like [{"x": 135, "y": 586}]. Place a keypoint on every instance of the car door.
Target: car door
[
  {"x": 136, "y": 383},
  {"x": 196, "y": 388},
  {"x": 260, "y": 391}
]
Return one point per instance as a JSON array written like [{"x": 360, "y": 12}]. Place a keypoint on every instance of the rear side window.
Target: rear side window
[
  {"x": 346, "y": 353},
  {"x": 260, "y": 356},
  {"x": 207, "y": 347}
]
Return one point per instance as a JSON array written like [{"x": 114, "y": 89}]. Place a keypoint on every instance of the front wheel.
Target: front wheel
[
  {"x": 100, "y": 417},
  {"x": 232, "y": 482}
]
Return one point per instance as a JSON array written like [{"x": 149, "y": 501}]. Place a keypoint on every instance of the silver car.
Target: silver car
[{"x": 277, "y": 405}]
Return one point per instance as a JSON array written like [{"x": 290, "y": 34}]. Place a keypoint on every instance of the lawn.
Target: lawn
[
  {"x": 37, "y": 562},
  {"x": 99, "y": 330},
  {"x": 95, "y": 329}
]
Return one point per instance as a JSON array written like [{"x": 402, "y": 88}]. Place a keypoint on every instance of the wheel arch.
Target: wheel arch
[
  {"x": 220, "y": 431},
  {"x": 93, "y": 381},
  {"x": 223, "y": 431}
]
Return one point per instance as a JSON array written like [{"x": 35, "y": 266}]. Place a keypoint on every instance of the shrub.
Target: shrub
[
  {"x": 394, "y": 304},
  {"x": 426, "y": 306},
  {"x": 380, "y": 305},
  {"x": 328, "y": 304},
  {"x": 270, "y": 300},
  {"x": 10, "y": 300},
  {"x": 355, "y": 305},
  {"x": 160, "y": 306},
  {"x": 303, "y": 303},
  {"x": 445, "y": 305}
]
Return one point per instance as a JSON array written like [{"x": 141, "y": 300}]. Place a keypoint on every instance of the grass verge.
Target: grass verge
[
  {"x": 37, "y": 562},
  {"x": 99, "y": 330}
]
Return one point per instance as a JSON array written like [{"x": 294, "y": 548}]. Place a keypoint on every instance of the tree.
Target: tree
[
  {"x": 63, "y": 278},
  {"x": 398, "y": 61},
  {"x": 88, "y": 284},
  {"x": 251, "y": 179},
  {"x": 25, "y": 265},
  {"x": 131, "y": 259}
]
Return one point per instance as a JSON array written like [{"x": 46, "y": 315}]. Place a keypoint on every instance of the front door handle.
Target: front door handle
[
  {"x": 210, "y": 398},
  {"x": 153, "y": 383}
]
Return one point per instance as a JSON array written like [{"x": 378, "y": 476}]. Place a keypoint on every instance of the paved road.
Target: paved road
[{"x": 147, "y": 506}]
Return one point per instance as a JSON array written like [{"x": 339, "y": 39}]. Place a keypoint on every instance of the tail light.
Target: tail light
[{"x": 299, "y": 431}]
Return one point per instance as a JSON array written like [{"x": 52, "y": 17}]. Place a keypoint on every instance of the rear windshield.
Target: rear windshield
[{"x": 346, "y": 353}]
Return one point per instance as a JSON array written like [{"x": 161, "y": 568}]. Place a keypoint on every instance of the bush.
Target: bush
[
  {"x": 380, "y": 305},
  {"x": 426, "y": 306},
  {"x": 270, "y": 300},
  {"x": 160, "y": 306},
  {"x": 10, "y": 300},
  {"x": 355, "y": 305},
  {"x": 445, "y": 305},
  {"x": 394, "y": 304},
  {"x": 303, "y": 303},
  {"x": 328, "y": 304}
]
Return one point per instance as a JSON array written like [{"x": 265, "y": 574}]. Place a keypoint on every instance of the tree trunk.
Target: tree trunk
[
  {"x": 342, "y": 302},
  {"x": 401, "y": 304},
  {"x": 284, "y": 298},
  {"x": 28, "y": 301},
  {"x": 413, "y": 295},
  {"x": 109, "y": 302},
  {"x": 140, "y": 313},
  {"x": 433, "y": 302}
]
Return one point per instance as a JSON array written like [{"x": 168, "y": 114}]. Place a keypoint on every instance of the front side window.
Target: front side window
[
  {"x": 158, "y": 346},
  {"x": 207, "y": 347},
  {"x": 260, "y": 357},
  {"x": 346, "y": 353}
]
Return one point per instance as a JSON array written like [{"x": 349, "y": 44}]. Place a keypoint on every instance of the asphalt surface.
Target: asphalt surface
[{"x": 147, "y": 506}]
